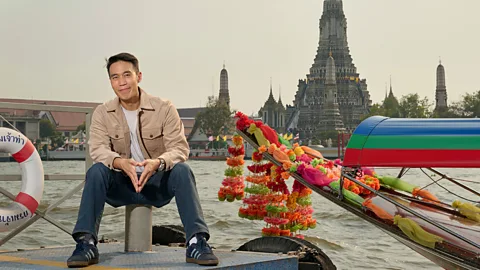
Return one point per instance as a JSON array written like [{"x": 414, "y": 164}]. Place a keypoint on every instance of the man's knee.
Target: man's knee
[
  {"x": 181, "y": 168},
  {"x": 98, "y": 171},
  {"x": 183, "y": 172}
]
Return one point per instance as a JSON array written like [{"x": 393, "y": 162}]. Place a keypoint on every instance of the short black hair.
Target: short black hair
[{"x": 127, "y": 57}]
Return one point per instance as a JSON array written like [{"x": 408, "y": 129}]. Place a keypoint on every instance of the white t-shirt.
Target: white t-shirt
[{"x": 135, "y": 150}]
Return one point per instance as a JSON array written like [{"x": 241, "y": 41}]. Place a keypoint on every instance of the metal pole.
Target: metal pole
[
  {"x": 453, "y": 181},
  {"x": 138, "y": 228},
  {"x": 88, "y": 159}
]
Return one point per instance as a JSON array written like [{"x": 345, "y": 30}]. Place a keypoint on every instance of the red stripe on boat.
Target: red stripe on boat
[
  {"x": 412, "y": 158},
  {"x": 28, "y": 201},
  {"x": 24, "y": 153}
]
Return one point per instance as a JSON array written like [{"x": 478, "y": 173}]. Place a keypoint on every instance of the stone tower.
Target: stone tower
[
  {"x": 330, "y": 119},
  {"x": 224, "y": 96},
  {"x": 441, "y": 90},
  {"x": 353, "y": 98}
]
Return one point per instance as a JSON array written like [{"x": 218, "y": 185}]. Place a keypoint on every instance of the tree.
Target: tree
[
  {"x": 215, "y": 119},
  {"x": 411, "y": 106},
  {"x": 81, "y": 127},
  {"x": 470, "y": 105},
  {"x": 57, "y": 139},
  {"x": 452, "y": 111},
  {"x": 47, "y": 129},
  {"x": 376, "y": 109}
]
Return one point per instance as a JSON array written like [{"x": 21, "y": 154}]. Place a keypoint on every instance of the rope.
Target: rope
[
  {"x": 5, "y": 120},
  {"x": 453, "y": 193}
]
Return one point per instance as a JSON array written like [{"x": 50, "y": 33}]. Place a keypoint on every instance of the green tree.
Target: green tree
[
  {"x": 469, "y": 106},
  {"x": 452, "y": 111},
  {"x": 57, "y": 139},
  {"x": 376, "y": 109},
  {"x": 81, "y": 127},
  {"x": 47, "y": 129},
  {"x": 216, "y": 119},
  {"x": 411, "y": 106}
]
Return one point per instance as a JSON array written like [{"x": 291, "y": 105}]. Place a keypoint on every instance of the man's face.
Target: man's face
[{"x": 124, "y": 80}]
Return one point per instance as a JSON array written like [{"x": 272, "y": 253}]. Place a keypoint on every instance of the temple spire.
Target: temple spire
[
  {"x": 390, "y": 94},
  {"x": 224, "y": 94},
  {"x": 441, "y": 89},
  {"x": 386, "y": 90},
  {"x": 279, "y": 94},
  {"x": 271, "y": 92},
  {"x": 331, "y": 70},
  {"x": 330, "y": 116}
]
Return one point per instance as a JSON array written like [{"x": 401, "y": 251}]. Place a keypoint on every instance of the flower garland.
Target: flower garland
[
  {"x": 276, "y": 220},
  {"x": 256, "y": 198},
  {"x": 233, "y": 183}
]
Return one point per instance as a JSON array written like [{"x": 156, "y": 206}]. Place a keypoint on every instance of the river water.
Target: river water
[{"x": 349, "y": 241}]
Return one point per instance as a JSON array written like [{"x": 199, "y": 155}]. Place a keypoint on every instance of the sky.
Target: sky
[{"x": 56, "y": 49}]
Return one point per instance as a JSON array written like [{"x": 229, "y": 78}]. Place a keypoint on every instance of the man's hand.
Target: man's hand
[
  {"x": 149, "y": 166},
  {"x": 128, "y": 167}
]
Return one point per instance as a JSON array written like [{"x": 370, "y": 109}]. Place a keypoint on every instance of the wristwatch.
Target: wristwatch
[{"x": 162, "y": 164}]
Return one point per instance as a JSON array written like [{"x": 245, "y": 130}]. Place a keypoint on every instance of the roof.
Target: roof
[
  {"x": 189, "y": 112},
  {"x": 69, "y": 121},
  {"x": 65, "y": 121},
  {"x": 406, "y": 142}
]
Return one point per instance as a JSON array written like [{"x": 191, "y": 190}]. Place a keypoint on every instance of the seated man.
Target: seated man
[{"x": 139, "y": 148}]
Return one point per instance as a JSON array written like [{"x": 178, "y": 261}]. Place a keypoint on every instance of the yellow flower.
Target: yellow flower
[{"x": 298, "y": 151}]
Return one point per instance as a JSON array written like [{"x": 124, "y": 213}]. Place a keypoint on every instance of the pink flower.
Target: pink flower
[{"x": 368, "y": 171}]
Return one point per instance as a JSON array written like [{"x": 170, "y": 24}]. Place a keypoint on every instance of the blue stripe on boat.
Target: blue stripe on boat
[{"x": 377, "y": 125}]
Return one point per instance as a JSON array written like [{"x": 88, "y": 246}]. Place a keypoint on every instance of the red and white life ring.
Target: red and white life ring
[{"x": 27, "y": 201}]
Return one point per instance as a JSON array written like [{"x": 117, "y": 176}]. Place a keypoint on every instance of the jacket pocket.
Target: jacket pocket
[
  {"x": 153, "y": 140},
  {"x": 117, "y": 140}
]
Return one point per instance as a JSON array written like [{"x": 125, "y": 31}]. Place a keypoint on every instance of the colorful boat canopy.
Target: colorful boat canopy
[{"x": 415, "y": 142}]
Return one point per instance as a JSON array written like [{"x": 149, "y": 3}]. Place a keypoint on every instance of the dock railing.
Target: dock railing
[{"x": 57, "y": 177}]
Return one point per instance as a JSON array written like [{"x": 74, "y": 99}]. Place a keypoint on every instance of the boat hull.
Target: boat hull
[{"x": 446, "y": 262}]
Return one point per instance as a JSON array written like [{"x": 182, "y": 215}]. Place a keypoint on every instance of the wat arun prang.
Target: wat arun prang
[{"x": 315, "y": 106}]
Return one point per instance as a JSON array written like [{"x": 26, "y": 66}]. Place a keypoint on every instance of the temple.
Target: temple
[{"x": 340, "y": 96}]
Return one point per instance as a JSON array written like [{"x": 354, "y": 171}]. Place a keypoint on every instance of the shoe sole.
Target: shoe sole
[
  {"x": 81, "y": 264},
  {"x": 200, "y": 262}
]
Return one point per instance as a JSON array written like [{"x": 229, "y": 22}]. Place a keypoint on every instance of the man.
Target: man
[{"x": 138, "y": 145}]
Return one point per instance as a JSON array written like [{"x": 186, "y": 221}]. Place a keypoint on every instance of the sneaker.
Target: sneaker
[
  {"x": 84, "y": 254},
  {"x": 201, "y": 253}
]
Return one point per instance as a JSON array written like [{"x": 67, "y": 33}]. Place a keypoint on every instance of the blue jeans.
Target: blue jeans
[{"x": 105, "y": 185}]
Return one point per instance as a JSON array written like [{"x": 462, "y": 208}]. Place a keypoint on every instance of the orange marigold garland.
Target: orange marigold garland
[
  {"x": 277, "y": 218},
  {"x": 300, "y": 210},
  {"x": 370, "y": 181},
  {"x": 256, "y": 199},
  {"x": 233, "y": 183}
]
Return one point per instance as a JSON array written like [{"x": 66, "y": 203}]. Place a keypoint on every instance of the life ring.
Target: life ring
[{"x": 30, "y": 195}]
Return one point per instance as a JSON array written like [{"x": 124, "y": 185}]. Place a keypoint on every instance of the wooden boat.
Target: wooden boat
[{"x": 411, "y": 143}]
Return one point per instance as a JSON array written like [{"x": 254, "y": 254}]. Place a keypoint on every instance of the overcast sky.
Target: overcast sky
[{"x": 56, "y": 49}]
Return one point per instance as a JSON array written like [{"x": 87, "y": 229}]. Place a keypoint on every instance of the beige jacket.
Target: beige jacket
[{"x": 160, "y": 132}]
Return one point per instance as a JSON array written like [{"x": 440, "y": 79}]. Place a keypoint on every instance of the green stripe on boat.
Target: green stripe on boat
[
  {"x": 422, "y": 142},
  {"x": 357, "y": 141}
]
